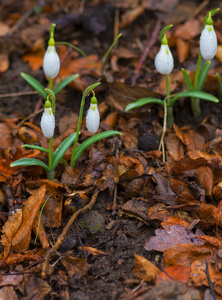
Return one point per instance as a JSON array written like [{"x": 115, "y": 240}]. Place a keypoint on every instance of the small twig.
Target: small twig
[
  {"x": 146, "y": 51},
  {"x": 62, "y": 236},
  {"x": 80, "y": 241},
  {"x": 18, "y": 94},
  {"x": 211, "y": 285}
]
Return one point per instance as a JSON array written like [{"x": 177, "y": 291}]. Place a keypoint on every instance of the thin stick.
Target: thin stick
[
  {"x": 210, "y": 283},
  {"x": 18, "y": 94},
  {"x": 146, "y": 51},
  {"x": 61, "y": 238}
]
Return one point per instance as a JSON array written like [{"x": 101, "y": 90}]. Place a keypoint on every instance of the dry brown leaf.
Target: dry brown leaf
[
  {"x": 144, "y": 269},
  {"x": 21, "y": 239},
  {"x": 188, "y": 30},
  {"x": 171, "y": 237},
  {"x": 4, "y": 62},
  {"x": 185, "y": 254},
  {"x": 95, "y": 251},
  {"x": 75, "y": 267},
  {"x": 42, "y": 236},
  {"x": 174, "y": 146},
  {"x": 9, "y": 230},
  {"x": 52, "y": 213},
  {"x": 177, "y": 273},
  {"x": 130, "y": 15},
  {"x": 35, "y": 59},
  {"x": 199, "y": 277},
  {"x": 206, "y": 178},
  {"x": 182, "y": 49}
]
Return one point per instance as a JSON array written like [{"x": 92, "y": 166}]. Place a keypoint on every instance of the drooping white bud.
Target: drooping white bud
[
  {"x": 208, "y": 42},
  {"x": 92, "y": 117},
  {"x": 164, "y": 60},
  {"x": 51, "y": 62},
  {"x": 48, "y": 121}
]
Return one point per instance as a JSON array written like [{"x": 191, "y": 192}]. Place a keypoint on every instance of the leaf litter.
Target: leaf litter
[{"x": 162, "y": 220}]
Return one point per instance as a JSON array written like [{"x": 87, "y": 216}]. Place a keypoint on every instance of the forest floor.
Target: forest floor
[{"x": 141, "y": 226}]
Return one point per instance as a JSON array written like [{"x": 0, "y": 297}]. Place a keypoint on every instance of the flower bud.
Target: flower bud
[
  {"x": 51, "y": 62},
  {"x": 92, "y": 116},
  {"x": 48, "y": 121},
  {"x": 208, "y": 41},
  {"x": 164, "y": 59}
]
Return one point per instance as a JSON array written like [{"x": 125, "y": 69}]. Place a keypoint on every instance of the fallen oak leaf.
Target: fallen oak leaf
[
  {"x": 171, "y": 237},
  {"x": 144, "y": 269}
]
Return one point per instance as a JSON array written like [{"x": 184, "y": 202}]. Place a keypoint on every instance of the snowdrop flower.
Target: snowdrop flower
[
  {"x": 92, "y": 116},
  {"x": 48, "y": 120},
  {"x": 208, "y": 40},
  {"x": 51, "y": 62},
  {"x": 164, "y": 58}
]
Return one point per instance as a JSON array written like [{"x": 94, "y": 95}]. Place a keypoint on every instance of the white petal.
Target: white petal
[
  {"x": 51, "y": 62},
  {"x": 92, "y": 118},
  {"x": 164, "y": 60},
  {"x": 48, "y": 123},
  {"x": 208, "y": 42}
]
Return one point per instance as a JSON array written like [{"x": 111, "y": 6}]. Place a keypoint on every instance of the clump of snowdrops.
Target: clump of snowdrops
[
  {"x": 164, "y": 64},
  {"x": 51, "y": 66}
]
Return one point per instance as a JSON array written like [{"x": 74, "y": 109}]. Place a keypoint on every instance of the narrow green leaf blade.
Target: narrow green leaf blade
[
  {"x": 193, "y": 94},
  {"x": 212, "y": 12},
  {"x": 35, "y": 147},
  {"x": 93, "y": 139},
  {"x": 29, "y": 162},
  {"x": 220, "y": 87},
  {"x": 203, "y": 75},
  {"x": 187, "y": 80},
  {"x": 61, "y": 150},
  {"x": 164, "y": 30},
  {"x": 64, "y": 83},
  {"x": 144, "y": 101},
  {"x": 35, "y": 84}
]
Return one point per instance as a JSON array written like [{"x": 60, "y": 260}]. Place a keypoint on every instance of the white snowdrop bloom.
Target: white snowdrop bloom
[
  {"x": 92, "y": 118},
  {"x": 48, "y": 122},
  {"x": 51, "y": 62},
  {"x": 208, "y": 42},
  {"x": 164, "y": 60}
]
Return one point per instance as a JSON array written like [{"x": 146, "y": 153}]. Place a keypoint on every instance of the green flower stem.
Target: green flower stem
[
  {"x": 87, "y": 90},
  {"x": 108, "y": 52},
  {"x": 80, "y": 51},
  {"x": 195, "y": 102},
  {"x": 50, "y": 152},
  {"x": 52, "y": 98},
  {"x": 169, "y": 108}
]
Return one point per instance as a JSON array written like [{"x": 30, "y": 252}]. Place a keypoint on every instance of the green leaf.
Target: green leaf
[
  {"x": 212, "y": 12},
  {"x": 91, "y": 87},
  {"x": 203, "y": 75},
  {"x": 187, "y": 80},
  {"x": 144, "y": 101},
  {"x": 64, "y": 83},
  {"x": 30, "y": 162},
  {"x": 93, "y": 139},
  {"x": 61, "y": 150},
  {"x": 164, "y": 30},
  {"x": 193, "y": 94},
  {"x": 40, "y": 149},
  {"x": 35, "y": 84},
  {"x": 220, "y": 87}
]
